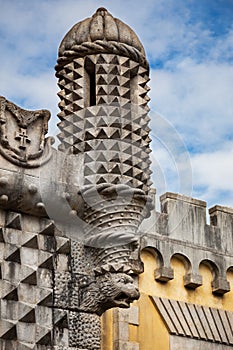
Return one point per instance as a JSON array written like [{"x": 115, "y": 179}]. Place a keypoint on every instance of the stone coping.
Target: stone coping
[
  {"x": 216, "y": 208},
  {"x": 183, "y": 198}
]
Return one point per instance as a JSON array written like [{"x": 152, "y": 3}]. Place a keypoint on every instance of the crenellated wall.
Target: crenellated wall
[{"x": 181, "y": 229}]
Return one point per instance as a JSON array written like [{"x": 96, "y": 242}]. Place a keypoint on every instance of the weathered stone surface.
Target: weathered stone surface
[
  {"x": 22, "y": 135},
  {"x": 101, "y": 34},
  {"x": 84, "y": 331},
  {"x": 27, "y": 262},
  {"x": 104, "y": 124}
]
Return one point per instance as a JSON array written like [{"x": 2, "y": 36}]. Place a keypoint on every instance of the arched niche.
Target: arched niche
[
  {"x": 184, "y": 260},
  {"x": 154, "y": 255}
]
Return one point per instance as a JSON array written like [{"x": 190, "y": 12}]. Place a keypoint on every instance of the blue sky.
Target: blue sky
[{"x": 190, "y": 48}]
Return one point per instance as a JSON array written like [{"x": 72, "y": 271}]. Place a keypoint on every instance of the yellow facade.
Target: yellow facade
[
  {"x": 151, "y": 329},
  {"x": 175, "y": 289}
]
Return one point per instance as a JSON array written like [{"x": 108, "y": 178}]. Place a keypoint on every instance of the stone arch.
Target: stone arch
[
  {"x": 219, "y": 283},
  {"x": 156, "y": 254},
  {"x": 191, "y": 279},
  {"x": 212, "y": 266},
  {"x": 185, "y": 260},
  {"x": 230, "y": 269},
  {"x": 229, "y": 275},
  {"x": 163, "y": 271}
]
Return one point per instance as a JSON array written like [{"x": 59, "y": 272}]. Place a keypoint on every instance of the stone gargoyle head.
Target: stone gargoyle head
[{"x": 107, "y": 291}]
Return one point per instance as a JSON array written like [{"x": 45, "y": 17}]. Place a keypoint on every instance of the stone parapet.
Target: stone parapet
[
  {"x": 181, "y": 230},
  {"x": 184, "y": 219},
  {"x": 222, "y": 217}
]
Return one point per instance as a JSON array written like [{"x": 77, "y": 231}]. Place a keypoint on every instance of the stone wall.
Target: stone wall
[{"x": 181, "y": 229}]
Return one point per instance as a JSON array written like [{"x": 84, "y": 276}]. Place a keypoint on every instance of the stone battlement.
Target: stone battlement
[{"x": 181, "y": 229}]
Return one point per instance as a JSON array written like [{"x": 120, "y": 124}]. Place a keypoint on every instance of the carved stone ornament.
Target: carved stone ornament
[
  {"x": 107, "y": 291},
  {"x": 103, "y": 74},
  {"x": 101, "y": 33},
  {"x": 22, "y": 135}
]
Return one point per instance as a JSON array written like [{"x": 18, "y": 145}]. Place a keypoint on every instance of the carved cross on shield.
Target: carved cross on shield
[
  {"x": 23, "y": 139},
  {"x": 22, "y": 134}
]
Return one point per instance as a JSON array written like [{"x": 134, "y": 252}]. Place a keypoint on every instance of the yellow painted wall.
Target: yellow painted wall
[
  {"x": 228, "y": 297},
  {"x": 107, "y": 330},
  {"x": 151, "y": 332},
  {"x": 175, "y": 289}
]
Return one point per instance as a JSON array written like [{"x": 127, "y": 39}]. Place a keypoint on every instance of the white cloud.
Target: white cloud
[
  {"x": 213, "y": 172},
  {"x": 210, "y": 168},
  {"x": 198, "y": 99}
]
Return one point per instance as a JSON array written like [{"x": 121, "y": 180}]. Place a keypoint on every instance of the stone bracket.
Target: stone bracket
[
  {"x": 220, "y": 286},
  {"x": 164, "y": 274},
  {"x": 192, "y": 280}
]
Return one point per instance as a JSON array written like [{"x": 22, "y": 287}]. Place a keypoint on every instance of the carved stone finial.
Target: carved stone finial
[
  {"x": 101, "y": 9},
  {"x": 102, "y": 33}
]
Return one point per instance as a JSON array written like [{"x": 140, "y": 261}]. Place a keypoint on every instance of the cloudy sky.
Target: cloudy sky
[{"x": 189, "y": 45}]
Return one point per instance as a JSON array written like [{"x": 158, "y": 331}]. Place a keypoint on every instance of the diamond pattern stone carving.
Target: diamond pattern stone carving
[{"x": 26, "y": 288}]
